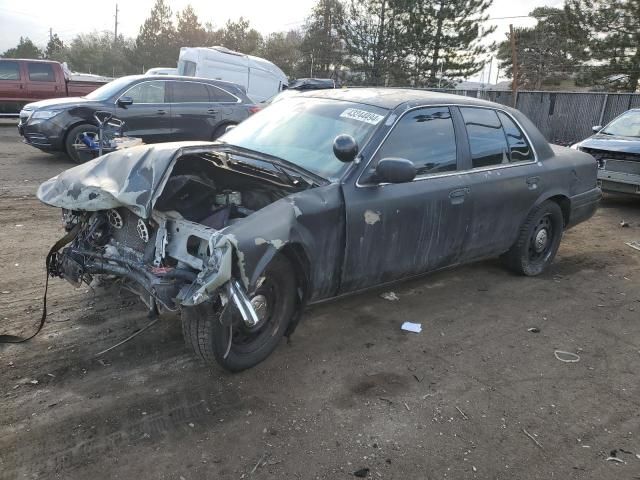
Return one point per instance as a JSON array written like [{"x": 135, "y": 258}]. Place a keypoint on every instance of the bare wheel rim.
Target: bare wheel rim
[
  {"x": 266, "y": 301},
  {"x": 541, "y": 240},
  {"x": 82, "y": 151}
]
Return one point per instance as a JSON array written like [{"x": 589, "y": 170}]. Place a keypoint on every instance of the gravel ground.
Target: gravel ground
[{"x": 475, "y": 395}]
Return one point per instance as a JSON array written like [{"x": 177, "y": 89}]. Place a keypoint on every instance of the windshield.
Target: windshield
[
  {"x": 301, "y": 130},
  {"x": 107, "y": 91},
  {"x": 626, "y": 125}
]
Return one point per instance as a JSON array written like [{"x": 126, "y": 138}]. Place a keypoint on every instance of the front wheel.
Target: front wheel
[
  {"x": 538, "y": 240},
  {"x": 238, "y": 346},
  {"x": 76, "y": 150}
]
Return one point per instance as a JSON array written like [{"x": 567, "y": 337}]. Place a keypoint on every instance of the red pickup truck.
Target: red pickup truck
[{"x": 26, "y": 81}]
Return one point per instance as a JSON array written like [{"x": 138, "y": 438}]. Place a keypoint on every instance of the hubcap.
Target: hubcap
[
  {"x": 541, "y": 239},
  {"x": 259, "y": 304}
]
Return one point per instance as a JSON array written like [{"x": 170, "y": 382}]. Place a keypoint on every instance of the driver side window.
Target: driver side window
[
  {"x": 426, "y": 137},
  {"x": 147, "y": 92}
]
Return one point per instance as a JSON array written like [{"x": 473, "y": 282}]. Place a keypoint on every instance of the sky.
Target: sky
[{"x": 67, "y": 18}]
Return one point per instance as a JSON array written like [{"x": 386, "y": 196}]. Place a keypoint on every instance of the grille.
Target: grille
[
  {"x": 605, "y": 154},
  {"x": 622, "y": 166},
  {"x": 128, "y": 234}
]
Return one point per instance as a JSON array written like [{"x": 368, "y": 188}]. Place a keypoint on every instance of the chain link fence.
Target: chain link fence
[{"x": 562, "y": 117}]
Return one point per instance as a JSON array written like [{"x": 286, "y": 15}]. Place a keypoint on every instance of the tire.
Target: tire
[
  {"x": 205, "y": 334},
  {"x": 72, "y": 138},
  {"x": 538, "y": 240},
  {"x": 218, "y": 132}
]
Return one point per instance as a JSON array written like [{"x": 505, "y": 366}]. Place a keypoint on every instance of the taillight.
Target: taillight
[{"x": 254, "y": 109}]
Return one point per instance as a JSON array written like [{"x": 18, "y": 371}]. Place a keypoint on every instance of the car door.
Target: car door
[
  {"x": 398, "y": 230},
  {"x": 12, "y": 86},
  {"x": 228, "y": 108},
  {"x": 41, "y": 81},
  {"x": 504, "y": 180},
  {"x": 193, "y": 114},
  {"x": 149, "y": 116}
]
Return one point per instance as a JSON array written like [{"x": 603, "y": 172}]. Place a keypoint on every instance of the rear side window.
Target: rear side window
[
  {"x": 519, "y": 148},
  {"x": 486, "y": 137},
  {"x": 9, "y": 70},
  {"x": 189, "y": 92},
  {"x": 41, "y": 72},
  {"x": 147, "y": 92},
  {"x": 220, "y": 95},
  {"x": 426, "y": 137}
]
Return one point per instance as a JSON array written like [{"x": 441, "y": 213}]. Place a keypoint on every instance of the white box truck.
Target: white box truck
[{"x": 261, "y": 78}]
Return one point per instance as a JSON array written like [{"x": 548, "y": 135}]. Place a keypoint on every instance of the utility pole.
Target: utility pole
[
  {"x": 490, "y": 65},
  {"x": 115, "y": 30},
  {"x": 514, "y": 66},
  {"x": 50, "y": 34}
]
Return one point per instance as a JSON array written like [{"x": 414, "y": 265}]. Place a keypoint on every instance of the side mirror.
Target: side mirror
[
  {"x": 596, "y": 128},
  {"x": 125, "y": 101},
  {"x": 395, "y": 170},
  {"x": 229, "y": 128},
  {"x": 345, "y": 148}
]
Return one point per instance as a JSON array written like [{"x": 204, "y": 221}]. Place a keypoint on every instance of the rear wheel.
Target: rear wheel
[
  {"x": 538, "y": 241},
  {"x": 221, "y": 130},
  {"x": 74, "y": 139},
  {"x": 238, "y": 346}
]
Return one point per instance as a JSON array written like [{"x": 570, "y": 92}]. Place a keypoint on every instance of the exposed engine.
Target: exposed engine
[{"x": 160, "y": 258}]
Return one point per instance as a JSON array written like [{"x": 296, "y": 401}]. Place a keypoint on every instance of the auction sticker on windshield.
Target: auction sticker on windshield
[{"x": 362, "y": 116}]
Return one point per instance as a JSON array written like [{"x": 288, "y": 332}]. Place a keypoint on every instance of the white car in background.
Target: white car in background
[
  {"x": 261, "y": 78},
  {"x": 162, "y": 71}
]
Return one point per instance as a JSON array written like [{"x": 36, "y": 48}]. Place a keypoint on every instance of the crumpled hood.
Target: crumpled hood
[
  {"x": 131, "y": 178},
  {"x": 612, "y": 143}
]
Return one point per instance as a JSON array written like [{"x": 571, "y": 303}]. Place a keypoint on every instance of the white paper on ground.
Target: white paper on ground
[{"x": 412, "y": 327}]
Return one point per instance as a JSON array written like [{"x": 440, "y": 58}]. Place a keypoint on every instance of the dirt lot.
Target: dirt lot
[{"x": 351, "y": 391}]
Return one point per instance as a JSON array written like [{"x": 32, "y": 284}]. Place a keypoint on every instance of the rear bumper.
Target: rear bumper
[{"x": 583, "y": 206}]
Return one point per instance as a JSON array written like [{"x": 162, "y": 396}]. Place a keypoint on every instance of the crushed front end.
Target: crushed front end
[
  {"x": 166, "y": 260},
  {"x": 155, "y": 220}
]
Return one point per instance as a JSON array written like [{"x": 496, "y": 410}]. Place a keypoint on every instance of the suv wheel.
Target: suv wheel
[{"x": 73, "y": 140}]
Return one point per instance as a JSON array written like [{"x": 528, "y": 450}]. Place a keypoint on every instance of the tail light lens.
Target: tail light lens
[{"x": 254, "y": 109}]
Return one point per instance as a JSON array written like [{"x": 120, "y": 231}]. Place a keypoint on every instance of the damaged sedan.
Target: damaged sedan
[{"x": 320, "y": 195}]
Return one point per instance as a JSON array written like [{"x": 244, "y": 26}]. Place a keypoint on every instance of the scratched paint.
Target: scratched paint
[{"x": 371, "y": 217}]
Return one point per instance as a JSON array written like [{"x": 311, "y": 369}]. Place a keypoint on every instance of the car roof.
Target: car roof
[
  {"x": 391, "y": 98},
  {"x": 211, "y": 81},
  {"x": 183, "y": 78},
  {"x": 34, "y": 60}
]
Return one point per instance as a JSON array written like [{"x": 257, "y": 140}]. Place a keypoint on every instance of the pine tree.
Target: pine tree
[
  {"x": 374, "y": 33},
  {"x": 283, "y": 49},
  {"x": 613, "y": 29},
  {"x": 190, "y": 32},
  {"x": 321, "y": 47},
  {"x": 444, "y": 39},
  {"x": 25, "y": 49},
  {"x": 241, "y": 37},
  {"x": 55, "y": 48},
  {"x": 548, "y": 53},
  {"x": 156, "y": 44}
]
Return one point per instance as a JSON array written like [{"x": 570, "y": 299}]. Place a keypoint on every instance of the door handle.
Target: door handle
[
  {"x": 162, "y": 112},
  {"x": 212, "y": 111},
  {"x": 532, "y": 182},
  {"x": 458, "y": 195}
]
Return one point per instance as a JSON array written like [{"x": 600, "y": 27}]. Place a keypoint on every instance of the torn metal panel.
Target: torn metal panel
[
  {"x": 312, "y": 219},
  {"x": 125, "y": 178}
]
